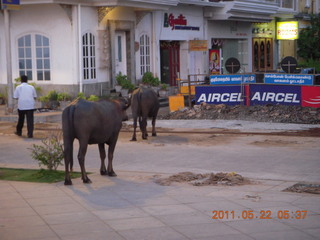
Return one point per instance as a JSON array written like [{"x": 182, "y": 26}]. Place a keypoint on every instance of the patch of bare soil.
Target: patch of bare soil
[
  {"x": 304, "y": 188},
  {"x": 229, "y": 179},
  {"x": 278, "y": 142}
]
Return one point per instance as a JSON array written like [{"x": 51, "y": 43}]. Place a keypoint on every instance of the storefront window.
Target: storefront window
[{"x": 236, "y": 48}]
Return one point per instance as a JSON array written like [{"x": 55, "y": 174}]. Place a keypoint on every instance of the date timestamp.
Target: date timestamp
[{"x": 263, "y": 214}]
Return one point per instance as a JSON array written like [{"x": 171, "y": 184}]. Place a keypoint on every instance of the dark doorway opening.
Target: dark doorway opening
[{"x": 170, "y": 62}]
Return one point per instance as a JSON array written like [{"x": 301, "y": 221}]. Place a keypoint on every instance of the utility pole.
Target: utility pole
[{"x": 9, "y": 108}]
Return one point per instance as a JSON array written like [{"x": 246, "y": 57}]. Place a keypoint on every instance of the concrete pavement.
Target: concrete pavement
[{"x": 132, "y": 206}]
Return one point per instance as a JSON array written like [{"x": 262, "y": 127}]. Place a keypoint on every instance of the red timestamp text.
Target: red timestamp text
[{"x": 263, "y": 214}]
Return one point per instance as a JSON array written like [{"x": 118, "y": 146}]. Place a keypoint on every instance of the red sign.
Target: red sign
[{"x": 310, "y": 96}]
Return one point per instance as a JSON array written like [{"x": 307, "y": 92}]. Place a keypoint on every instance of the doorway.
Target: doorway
[
  {"x": 170, "y": 62},
  {"x": 120, "y": 52},
  {"x": 262, "y": 54}
]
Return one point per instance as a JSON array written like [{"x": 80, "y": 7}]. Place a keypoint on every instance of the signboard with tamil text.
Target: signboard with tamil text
[
  {"x": 10, "y": 4},
  {"x": 232, "y": 79},
  {"x": 294, "y": 79}
]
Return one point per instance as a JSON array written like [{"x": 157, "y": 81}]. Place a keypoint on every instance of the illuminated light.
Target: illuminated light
[{"x": 287, "y": 30}]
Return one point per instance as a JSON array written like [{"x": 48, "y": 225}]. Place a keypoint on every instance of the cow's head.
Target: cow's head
[{"x": 124, "y": 105}]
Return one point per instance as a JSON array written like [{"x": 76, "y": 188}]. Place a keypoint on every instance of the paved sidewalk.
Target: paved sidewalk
[{"x": 132, "y": 206}]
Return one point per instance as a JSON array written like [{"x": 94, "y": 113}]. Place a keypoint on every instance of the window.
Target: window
[
  {"x": 34, "y": 57},
  {"x": 89, "y": 56},
  {"x": 144, "y": 54}
]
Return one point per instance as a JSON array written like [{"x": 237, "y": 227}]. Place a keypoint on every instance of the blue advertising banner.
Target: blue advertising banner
[
  {"x": 275, "y": 94},
  {"x": 294, "y": 79},
  {"x": 10, "y": 4},
  {"x": 232, "y": 79},
  {"x": 230, "y": 95}
]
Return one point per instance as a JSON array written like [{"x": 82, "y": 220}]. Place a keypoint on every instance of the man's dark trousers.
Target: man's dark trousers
[{"x": 29, "y": 114}]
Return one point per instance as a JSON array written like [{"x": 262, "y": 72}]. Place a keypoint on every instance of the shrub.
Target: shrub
[
  {"x": 63, "y": 97},
  {"x": 53, "y": 95},
  {"x": 50, "y": 154},
  {"x": 81, "y": 95},
  {"x": 93, "y": 98},
  {"x": 149, "y": 79}
]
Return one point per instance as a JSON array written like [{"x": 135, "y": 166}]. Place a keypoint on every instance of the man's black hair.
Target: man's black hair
[{"x": 24, "y": 78}]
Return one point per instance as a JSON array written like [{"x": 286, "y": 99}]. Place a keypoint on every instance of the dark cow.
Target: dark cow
[
  {"x": 144, "y": 104},
  {"x": 92, "y": 123}
]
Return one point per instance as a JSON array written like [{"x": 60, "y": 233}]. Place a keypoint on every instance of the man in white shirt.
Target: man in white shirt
[{"x": 26, "y": 95}]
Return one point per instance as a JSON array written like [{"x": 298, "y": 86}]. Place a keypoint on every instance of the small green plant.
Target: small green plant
[
  {"x": 124, "y": 82},
  {"x": 164, "y": 86},
  {"x": 53, "y": 95},
  {"x": 149, "y": 79},
  {"x": 93, "y": 98},
  {"x": 44, "y": 99},
  {"x": 81, "y": 95},
  {"x": 50, "y": 154},
  {"x": 63, "y": 97},
  {"x": 121, "y": 79}
]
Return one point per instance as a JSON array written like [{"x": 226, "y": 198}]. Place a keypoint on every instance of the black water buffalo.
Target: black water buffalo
[
  {"x": 144, "y": 104},
  {"x": 92, "y": 123}
]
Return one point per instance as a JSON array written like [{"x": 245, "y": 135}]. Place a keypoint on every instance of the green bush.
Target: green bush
[
  {"x": 63, "y": 97},
  {"x": 93, "y": 98},
  {"x": 53, "y": 95},
  {"x": 149, "y": 79},
  {"x": 50, "y": 154},
  {"x": 81, "y": 95},
  {"x": 124, "y": 82}
]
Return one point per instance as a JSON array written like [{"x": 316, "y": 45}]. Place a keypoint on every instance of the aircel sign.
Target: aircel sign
[
  {"x": 275, "y": 94},
  {"x": 230, "y": 95},
  {"x": 258, "y": 94}
]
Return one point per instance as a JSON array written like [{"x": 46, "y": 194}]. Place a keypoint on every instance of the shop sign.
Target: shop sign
[
  {"x": 275, "y": 94},
  {"x": 287, "y": 30},
  {"x": 230, "y": 95},
  {"x": 10, "y": 4},
  {"x": 232, "y": 79},
  {"x": 310, "y": 96},
  {"x": 178, "y": 23},
  {"x": 293, "y": 79},
  {"x": 198, "y": 45}
]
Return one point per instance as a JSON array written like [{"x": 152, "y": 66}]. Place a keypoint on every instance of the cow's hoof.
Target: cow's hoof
[
  {"x": 87, "y": 181},
  {"x": 104, "y": 172},
  {"x": 112, "y": 174},
  {"x": 133, "y": 140},
  {"x": 154, "y": 134},
  {"x": 67, "y": 182}
]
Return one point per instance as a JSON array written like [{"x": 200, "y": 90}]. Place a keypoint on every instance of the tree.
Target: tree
[{"x": 309, "y": 39}]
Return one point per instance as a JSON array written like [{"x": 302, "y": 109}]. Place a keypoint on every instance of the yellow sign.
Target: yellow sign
[
  {"x": 198, "y": 45},
  {"x": 287, "y": 30}
]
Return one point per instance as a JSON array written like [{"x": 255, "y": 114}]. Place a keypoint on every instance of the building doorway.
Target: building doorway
[
  {"x": 170, "y": 62},
  {"x": 262, "y": 54},
  {"x": 120, "y": 52}
]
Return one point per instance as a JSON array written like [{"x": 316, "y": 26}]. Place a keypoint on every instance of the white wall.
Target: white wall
[{"x": 52, "y": 22}]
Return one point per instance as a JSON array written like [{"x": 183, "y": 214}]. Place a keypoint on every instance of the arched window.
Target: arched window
[
  {"x": 89, "y": 56},
  {"x": 34, "y": 57},
  {"x": 144, "y": 54}
]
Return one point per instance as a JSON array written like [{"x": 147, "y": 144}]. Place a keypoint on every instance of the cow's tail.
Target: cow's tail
[
  {"x": 68, "y": 134},
  {"x": 139, "y": 98}
]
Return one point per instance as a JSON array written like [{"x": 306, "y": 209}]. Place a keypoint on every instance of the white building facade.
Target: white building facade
[{"x": 80, "y": 46}]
